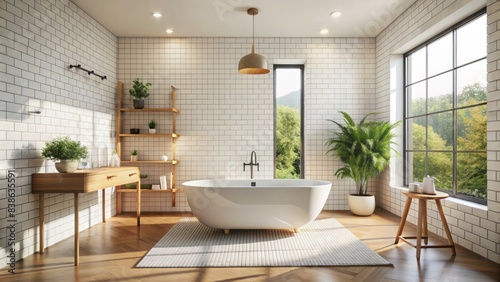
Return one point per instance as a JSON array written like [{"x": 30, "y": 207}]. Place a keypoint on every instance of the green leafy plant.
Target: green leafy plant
[
  {"x": 152, "y": 124},
  {"x": 134, "y": 153},
  {"x": 364, "y": 148},
  {"x": 139, "y": 90},
  {"x": 63, "y": 148}
]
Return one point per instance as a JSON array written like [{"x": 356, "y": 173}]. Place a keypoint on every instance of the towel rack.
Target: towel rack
[{"x": 103, "y": 77}]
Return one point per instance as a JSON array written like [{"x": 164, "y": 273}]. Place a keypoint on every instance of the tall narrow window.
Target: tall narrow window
[
  {"x": 288, "y": 123},
  {"x": 445, "y": 114}
]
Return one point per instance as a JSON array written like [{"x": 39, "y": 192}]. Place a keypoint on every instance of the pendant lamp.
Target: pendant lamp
[{"x": 253, "y": 63}]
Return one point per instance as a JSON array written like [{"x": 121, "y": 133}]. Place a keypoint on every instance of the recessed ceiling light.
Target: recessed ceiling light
[
  {"x": 335, "y": 14},
  {"x": 157, "y": 15},
  {"x": 169, "y": 30},
  {"x": 323, "y": 31}
]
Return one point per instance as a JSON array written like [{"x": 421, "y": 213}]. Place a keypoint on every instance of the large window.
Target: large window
[
  {"x": 445, "y": 113},
  {"x": 288, "y": 89}
]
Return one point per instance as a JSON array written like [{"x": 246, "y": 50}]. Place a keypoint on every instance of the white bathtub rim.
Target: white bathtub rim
[{"x": 259, "y": 183}]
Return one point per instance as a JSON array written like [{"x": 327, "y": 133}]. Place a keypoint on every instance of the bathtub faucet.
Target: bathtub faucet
[{"x": 253, "y": 162}]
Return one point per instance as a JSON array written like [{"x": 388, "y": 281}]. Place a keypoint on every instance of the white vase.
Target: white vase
[
  {"x": 152, "y": 131},
  {"x": 115, "y": 160},
  {"x": 66, "y": 166},
  {"x": 363, "y": 205}
]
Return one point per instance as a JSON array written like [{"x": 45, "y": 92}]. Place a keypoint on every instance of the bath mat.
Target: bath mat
[{"x": 323, "y": 242}]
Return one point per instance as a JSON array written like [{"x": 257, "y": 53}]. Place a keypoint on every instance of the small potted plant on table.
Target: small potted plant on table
[
  {"x": 139, "y": 92},
  {"x": 152, "y": 126},
  {"x": 66, "y": 151}
]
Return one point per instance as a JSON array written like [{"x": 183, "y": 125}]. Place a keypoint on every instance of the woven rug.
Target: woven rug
[{"x": 323, "y": 242}]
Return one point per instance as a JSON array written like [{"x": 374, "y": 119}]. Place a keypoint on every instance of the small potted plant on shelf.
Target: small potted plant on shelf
[
  {"x": 134, "y": 156},
  {"x": 66, "y": 151},
  {"x": 139, "y": 92},
  {"x": 364, "y": 149},
  {"x": 152, "y": 126}
]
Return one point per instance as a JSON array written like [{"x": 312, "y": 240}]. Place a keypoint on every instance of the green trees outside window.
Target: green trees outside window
[
  {"x": 446, "y": 110},
  {"x": 287, "y": 142}
]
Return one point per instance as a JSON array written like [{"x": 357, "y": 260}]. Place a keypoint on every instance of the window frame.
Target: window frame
[
  {"x": 301, "y": 67},
  {"x": 455, "y": 107}
]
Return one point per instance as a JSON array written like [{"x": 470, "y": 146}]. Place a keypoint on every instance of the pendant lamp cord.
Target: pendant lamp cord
[{"x": 253, "y": 29}]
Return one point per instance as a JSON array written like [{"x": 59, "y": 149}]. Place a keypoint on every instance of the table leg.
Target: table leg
[
  {"x": 445, "y": 225},
  {"x": 104, "y": 205},
  {"x": 173, "y": 196},
  {"x": 41, "y": 220},
  {"x": 138, "y": 187},
  {"x": 77, "y": 235},
  {"x": 403, "y": 219},
  {"x": 118, "y": 201},
  {"x": 421, "y": 205},
  {"x": 424, "y": 224}
]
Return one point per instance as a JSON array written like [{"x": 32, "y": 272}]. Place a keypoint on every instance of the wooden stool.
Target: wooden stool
[{"x": 422, "y": 221}]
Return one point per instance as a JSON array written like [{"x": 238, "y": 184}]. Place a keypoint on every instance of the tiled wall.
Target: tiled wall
[
  {"x": 38, "y": 42},
  {"x": 473, "y": 226},
  {"x": 225, "y": 115}
]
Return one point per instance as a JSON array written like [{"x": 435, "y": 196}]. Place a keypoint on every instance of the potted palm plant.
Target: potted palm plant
[
  {"x": 139, "y": 92},
  {"x": 66, "y": 152},
  {"x": 364, "y": 149}
]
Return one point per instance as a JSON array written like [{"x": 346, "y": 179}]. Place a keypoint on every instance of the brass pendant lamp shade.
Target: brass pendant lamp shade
[{"x": 253, "y": 63}]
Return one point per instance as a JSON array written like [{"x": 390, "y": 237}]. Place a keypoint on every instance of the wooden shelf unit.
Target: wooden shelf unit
[{"x": 172, "y": 136}]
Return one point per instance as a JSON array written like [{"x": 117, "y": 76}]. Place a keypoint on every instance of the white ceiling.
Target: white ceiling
[{"x": 228, "y": 18}]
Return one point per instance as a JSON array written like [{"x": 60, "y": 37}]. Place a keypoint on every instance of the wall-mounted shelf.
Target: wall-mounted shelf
[
  {"x": 151, "y": 110},
  {"x": 121, "y": 136},
  {"x": 173, "y": 135},
  {"x": 150, "y": 162}
]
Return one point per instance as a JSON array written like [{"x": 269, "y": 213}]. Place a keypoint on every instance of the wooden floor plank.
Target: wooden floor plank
[{"x": 109, "y": 252}]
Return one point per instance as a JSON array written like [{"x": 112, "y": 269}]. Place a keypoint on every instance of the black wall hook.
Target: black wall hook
[{"x": 89, "y": 72}]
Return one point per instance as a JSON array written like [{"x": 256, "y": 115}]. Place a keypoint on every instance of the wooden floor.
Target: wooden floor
[{"x": 109, "y": 251}]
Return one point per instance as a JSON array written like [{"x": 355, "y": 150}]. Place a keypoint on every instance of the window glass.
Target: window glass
[
  {"x": 416, "y": 98},
  {"x": 416, "y": 63},
  {"x": 440, "y": 93},
  {"x": 446, "y": 111},
  {"x": 440, "y": 131},
  {"x": 471, "y": 175},
  {"x": 471, "y": 41},
  {"x": 288, "y": 121},
  {"x": 471, "y": 84},
  {"x": 440, "y": 57}
]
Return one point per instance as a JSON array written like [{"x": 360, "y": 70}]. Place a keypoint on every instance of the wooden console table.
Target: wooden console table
[{"x": 83, "y": 181}]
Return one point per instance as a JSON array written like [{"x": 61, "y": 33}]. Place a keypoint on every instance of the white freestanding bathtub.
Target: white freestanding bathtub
[{"x": 256, "y": 203}]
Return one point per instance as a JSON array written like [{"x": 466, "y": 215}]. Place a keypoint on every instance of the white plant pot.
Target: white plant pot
[
  {"x": 152, "y": 131},
  {"x": 134, "y": 158},
  {"x": 66, "y": 166},
  {"x": 361, "y": 205}
]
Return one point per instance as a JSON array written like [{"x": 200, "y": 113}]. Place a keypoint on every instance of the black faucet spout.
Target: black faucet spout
[{"x": 253, "y": 162}]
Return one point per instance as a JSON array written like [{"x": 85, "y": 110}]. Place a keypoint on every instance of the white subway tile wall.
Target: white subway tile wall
[
  {"x": 38, "y": 42},
  {"x": 224, "y": 115},
  {"x": 473, "y": 226}
]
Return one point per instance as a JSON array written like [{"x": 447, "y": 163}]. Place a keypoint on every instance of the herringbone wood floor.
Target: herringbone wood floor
[{"x": 109, "y": 251}]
